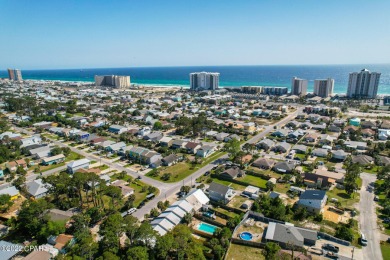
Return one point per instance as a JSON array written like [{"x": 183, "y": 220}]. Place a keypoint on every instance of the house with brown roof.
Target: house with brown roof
[
  {"x": 263, "y": 163},
  {"x": 368, "y": 132},
  {"x": 192, "y": 147},
  {"x": 351, "y": 129},
  {"x": 232, "y": 173},
  {"x": 317, "y": 181}
]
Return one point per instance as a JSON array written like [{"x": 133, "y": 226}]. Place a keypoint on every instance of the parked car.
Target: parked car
[
  {"x": 332, "y": 255},
  {"x": 331, "y": 247},
  {"x": 131, "y": 211},
  {"x": 206, "y": 173},
  {"x": 363, "y": 240}
]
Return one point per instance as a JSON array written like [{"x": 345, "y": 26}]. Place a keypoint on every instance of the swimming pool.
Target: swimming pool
[
  {"x": 207, "y": 228},
  {"x": 246, "y": 236}
]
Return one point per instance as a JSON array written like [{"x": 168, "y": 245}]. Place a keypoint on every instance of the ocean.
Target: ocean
[{"x": 230, "y": 76}]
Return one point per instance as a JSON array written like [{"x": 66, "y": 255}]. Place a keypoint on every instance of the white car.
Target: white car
[{"x": 131, "y": 211}]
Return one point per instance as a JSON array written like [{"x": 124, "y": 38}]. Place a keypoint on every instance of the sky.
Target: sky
[{"x": 101, "y": 34}]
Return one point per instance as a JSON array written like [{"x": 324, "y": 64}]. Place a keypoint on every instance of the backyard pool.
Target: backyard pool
[
  {"x": 207, "y": 228},
  {"x": 246, "y": 236}
]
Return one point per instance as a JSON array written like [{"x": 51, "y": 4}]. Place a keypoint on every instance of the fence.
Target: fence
[
  {"x": 247, "y": 243},
  {"x": 242, "y": 183},
  {"x": 209, "y": 220},
  {"x": 235, "y": 210},
  {"x": 333, "y": 239}
]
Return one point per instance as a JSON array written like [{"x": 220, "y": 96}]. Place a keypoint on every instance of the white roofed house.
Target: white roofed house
[
  {"x": 116, "y": 147},
  {"x": 72, "y": 167},
  {"x": 37, "y": 189},
  {"x": 205, "y": 151},
  {"x": 35, "y": 139},
  {"x": 197, "y": 199}
]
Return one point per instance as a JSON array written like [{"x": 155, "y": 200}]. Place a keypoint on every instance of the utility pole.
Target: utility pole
[{"x": 353, "y": 251}]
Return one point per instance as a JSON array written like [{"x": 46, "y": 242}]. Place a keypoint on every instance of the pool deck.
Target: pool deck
[{"x": 257, "y": 230}]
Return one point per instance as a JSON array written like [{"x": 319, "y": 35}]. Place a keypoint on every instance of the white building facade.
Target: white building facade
[
  {"x": 204, "y": 81},
  {"x": 298, "y": 86},
  {"x": 363, "y": 84},
  {"x": 323, "y": 87}
]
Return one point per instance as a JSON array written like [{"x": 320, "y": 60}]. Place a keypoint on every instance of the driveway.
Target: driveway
[{"x": 368, "y": 219}]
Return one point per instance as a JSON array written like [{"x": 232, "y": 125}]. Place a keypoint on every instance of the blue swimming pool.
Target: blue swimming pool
[
  {"x": 207, "y": 228},
  {"x": 246, "y": 236}
]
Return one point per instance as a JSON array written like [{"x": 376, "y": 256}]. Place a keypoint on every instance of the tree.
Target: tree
[
  {"x": 138, "y": 253},
  {"x": 166, "y": 176},
  {"x": 343, "y": 232},
  {"x": 187, "y": 218},
  {"x": 5, "y": 202},
  {"x": 157, "y": 125},
  {"x": 56, "y": 150},
  {"x": 270, "y": 250},
  {"x": 154, "y": 212},
  {"x": 270, "y": 186},
  {"x": 185, "y": 189},
  {"x": 164, "y": 245},
  {"x": 233, "y": 148}
]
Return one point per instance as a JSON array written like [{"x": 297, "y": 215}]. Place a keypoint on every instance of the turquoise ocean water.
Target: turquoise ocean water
[{"x": 231, "y": 76}]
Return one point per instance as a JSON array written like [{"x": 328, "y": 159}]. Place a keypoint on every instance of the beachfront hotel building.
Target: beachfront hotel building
[
  {"x": 323, "y": 87},
  {"x": 204, "y": 81},
  {"x": 15, "y": 74},
  {"x": 113, "y": 81},
  {"x": 363, "y": 84},
  {"x": 273, "y": 91},
  {"x": 298, "y": 86}
]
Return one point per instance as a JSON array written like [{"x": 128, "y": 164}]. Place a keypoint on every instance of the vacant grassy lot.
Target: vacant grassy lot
[
  {"x": 343, "y": 197},
  {"x": 253, "y": 180},
  {"x": 236, "y": 252},
  {"x": 228, "y": 183},
  {"x": 73, "y": 156},
  {"x": 182, "y": 170}
]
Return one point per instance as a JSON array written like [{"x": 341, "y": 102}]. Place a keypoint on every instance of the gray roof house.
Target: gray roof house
[
  {"x": 313, "y": 200},
  {"x": 232, "y": 172},
  {"x": 265, "y": 144},
  {"x": 220, "y": 193},
  {"x": 320, "y": 152},
  {"x": 170, "y": 160},
  {"x": 300, "y": 148},
  {"x": 37, "y": 189},
  {"x": 282, "y": 147},
  {"x": 221, "y": 136},
  {"x": 285, "y": 235},
  {"x": 263, "y": 163},
  {"x": 284, "y": 167}
]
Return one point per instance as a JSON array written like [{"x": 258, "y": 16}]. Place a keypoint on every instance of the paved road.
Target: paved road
[
  {"x": 166, "y": 189},
  {"x": 368, "y": 219}
]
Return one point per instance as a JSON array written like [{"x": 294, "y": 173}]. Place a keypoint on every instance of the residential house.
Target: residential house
[
  {"x": 192, "y": 147},
  {"x": 249, "y": 127},
  {"x": 37, "y": 189},
  {"x": 368, "y": 133},
  {"x": 320, "y": 152},
  {"x": 265, "y": 144},
  {"x": 117, "y": 129},
  {"x": 263, "y": 163},
  {"x": 178, "y": 144},
  {"x": 7, "y": 253},
  {"x": 72, "y": 167},
  {"x": 231, "y": 137},
  {"x": 166, "y": 141},
  {"x": 383, "y": 160},
  {"x": 153, "y": 137},
  {"x": 13, "y": 165},
  {"x": 368, "y": 124},
  {"x": 300, "y": 148},
  {"x": 339, "y": 155},
  {"x": 197, "y": 199},
  {"x": 333, "y": 128},
  {"x": 251, "y": 190},
  {"x": 313, "y": 200},
  {"x": 296, "y": 134},
  {"x": 232, "y": 173},
  {"x": 105, "y": 144},
  {"x": 221, "y": 136},
  {"x": 35, "y": 139},
  {"x": 383, "y": 134},
  {"x": 287, "y": 235},
  {"x": 220, "y": 193},
  {"x": 362, "y": 159},
  {"x": 284, "y": 167},
  {"x": 356, "y": 145},
  {"x": 170, "y": 160},
  {"x": 280, "y": 133},
  {"x": 116, "y": 147},
  {"x": 12, "y": 191},
  {"x": 59, "y": 158},
  {"x": 326, "y": 140},
  {"x": 40, "y": 152},
  {"x": 125, "y": 190},
  {"x": 310, "y": 138},
  {"x": 205, "y": 151},
  {"x": 282, "y": 147},
  {"x": 317, "y": 181}
]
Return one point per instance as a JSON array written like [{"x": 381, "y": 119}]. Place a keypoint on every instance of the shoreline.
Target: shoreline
[{"x": 161, "y": 85}]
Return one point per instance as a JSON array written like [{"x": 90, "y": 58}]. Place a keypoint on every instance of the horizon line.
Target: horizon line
[{"x": 189, "y": 66}]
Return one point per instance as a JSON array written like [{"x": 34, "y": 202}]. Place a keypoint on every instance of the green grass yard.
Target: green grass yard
[
  {"x": 253, "y": 180},
  {"x": 182, "y": 170},
  {"x": 385, "y": 248}
]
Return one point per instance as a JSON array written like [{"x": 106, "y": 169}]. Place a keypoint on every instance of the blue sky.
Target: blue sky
[{"x": 91, "y": 34}]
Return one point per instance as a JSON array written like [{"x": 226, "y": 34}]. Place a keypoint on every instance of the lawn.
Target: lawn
[
  {"x": 343, "y": 197},
  {"x": 48, "y": 167},
  {"x": 73, "y": 156},
  {"x": 228, "y": 183},
  {"x": 373, "y": 170},
  {"x": 236, "y": 252},
  {"x": 282, "y": 187},
  {"x": 182, "y": 170},
  {"x": 385, "y": 248},
  {"x": 253, "y": 180}
]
